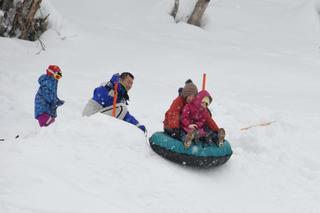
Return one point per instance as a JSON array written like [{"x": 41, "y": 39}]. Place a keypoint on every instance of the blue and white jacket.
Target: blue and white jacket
[
  {"x": 104, "y": 96},
  {"x": 46, "y": 100}
]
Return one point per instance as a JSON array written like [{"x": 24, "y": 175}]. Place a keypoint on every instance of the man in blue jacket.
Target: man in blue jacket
[{"x": 103, "y": 96}]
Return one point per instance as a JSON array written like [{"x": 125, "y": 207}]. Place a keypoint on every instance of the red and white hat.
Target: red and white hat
[{"x": 53, "y": 69}]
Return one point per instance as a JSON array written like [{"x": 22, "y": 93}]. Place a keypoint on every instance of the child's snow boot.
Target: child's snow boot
[
  {"x": 188, "y": 140},
  {"x": 221, "y": 135}
]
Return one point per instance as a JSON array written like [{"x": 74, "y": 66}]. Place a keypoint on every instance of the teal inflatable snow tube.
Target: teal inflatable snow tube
[{"x": 198, "y": 155}]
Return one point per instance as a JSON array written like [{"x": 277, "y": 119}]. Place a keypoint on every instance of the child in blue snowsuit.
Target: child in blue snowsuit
[
  {"x": 102, "y": 100},
  {"x": 46, "y": 100}
]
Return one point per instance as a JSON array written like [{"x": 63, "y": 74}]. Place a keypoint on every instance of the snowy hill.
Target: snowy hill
[{"x": 262, "y": 64}]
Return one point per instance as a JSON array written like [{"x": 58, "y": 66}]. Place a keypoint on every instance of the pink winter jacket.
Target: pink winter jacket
[{"x": 194, "y": 113}]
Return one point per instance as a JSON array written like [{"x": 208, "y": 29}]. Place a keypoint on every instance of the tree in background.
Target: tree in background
[
  {"x": 5, "y": 5},
  {"x": 18, "y": 20},
  {"x": 175, "y": 9},
  {"x": 197, "y": 14}
]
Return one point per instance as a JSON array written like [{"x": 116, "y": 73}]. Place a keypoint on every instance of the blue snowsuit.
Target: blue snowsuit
[
  {"x": 46, "y": 100},
  {"x": 104, "y": 96}
]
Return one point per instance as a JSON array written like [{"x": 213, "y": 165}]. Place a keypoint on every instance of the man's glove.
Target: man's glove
[
  {"x": 142, "y": 127},
  {"x": 115, "y": 78}
]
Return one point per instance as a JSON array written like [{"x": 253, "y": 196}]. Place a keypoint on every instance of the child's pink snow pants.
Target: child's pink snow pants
[{"x": 45, "y": 119}]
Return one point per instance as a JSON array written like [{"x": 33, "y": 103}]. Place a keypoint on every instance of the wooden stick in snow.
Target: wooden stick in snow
[{"x": 256, "y": 125}]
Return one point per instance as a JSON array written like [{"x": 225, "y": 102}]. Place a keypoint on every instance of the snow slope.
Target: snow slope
[{"x": 262, "y": 64}]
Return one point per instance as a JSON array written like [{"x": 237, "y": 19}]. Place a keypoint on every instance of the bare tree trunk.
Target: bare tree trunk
[
  {"x": 24, "y": 19},
  {"x": 175, "y": 9},
  {"x": 198, "y": 12},
  {"x": 2, "y": 28},
  {"x": 29, "y": 25},
  {"x": 5, "y": 5}
]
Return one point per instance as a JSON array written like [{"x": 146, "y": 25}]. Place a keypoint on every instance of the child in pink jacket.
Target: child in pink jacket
[{"x": 197, "y": 123}]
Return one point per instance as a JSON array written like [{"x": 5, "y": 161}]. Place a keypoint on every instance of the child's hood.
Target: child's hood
[
  {"x": 198, "y": 99},
  {"x": 44, "y": 79}
]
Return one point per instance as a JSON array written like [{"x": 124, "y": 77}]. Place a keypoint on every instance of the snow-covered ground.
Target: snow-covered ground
[{"x": 262, "y": 64}]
